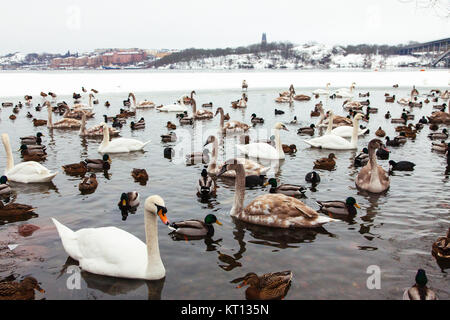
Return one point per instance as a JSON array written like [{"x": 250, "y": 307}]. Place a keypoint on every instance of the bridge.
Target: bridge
[{"x": 439, "y": 50}]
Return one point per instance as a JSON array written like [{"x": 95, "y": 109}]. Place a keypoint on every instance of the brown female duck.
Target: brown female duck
[
  {"x": 441, "y": 248},
  {"x": 89, "y": 184},
  {"x": 269, "y": 286},
  {"x": 23, "y": 290},
  {"x": 140, "y": 175},
  {"x": 75, "y": 169},
  {"x": 326, "y": 163},
  {"x": 15, "y": 209}
]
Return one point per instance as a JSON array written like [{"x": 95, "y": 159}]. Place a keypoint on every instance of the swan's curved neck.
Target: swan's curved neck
[
  {"x": 83, "y": 124},
  {"x": 239, "y": 194},
  {"x": 330, "y": 124},
  {"x": 105, "y": 140},
  {"x": 133, "y": 97},
  {"x": 194, "y": 106},
  {"x": 151, "y": 239},
  {"x": 49, "y": 120},
  {"x": 9, "y": 156},
  {"x": 354, "y": 140},
  {"x": 278, "y": 145},
  {"x": 213, "y": 163},
  {"x": 222, "y": 118},
  {"x": 322, "y": 117}
]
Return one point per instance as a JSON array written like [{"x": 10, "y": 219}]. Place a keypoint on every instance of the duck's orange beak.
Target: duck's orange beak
[
  {"x": 242, "y": 284},
  {"x": 218, "y": 222},
  {"x": 357, "y": 205}
]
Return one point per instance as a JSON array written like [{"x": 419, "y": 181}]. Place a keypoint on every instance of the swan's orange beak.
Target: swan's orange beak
[{"x": 163, "y": 216}]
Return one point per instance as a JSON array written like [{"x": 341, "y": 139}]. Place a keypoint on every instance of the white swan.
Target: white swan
[
  {"x": 334, "y": 142},
  {"x": 347, "y": 132},
  {"x": 322, "y": 91},
  {"x": 344, "y": 92},
  {"x": 119, "y": 145},
  {"x": 25, "y": 172},
  {"x": 263, "y": 150},
  {"x": 251, "y": 167},
  {"x": 83, "y": 106},
  {"x": 113, "y": 252},
  {"x": 176, "y": 107}
]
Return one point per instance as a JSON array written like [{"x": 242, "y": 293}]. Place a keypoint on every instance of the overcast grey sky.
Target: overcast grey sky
[{"x": 83, "y": 25}]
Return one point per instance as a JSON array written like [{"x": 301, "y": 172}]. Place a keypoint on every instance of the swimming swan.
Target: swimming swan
[
  {"x": 119, "y": 145},
  {"x": 263, "y": 150},
  {"x": 113, "y": 252},
  {"x": 334, "y": 142},
  {"x": 24, "y": 172}
]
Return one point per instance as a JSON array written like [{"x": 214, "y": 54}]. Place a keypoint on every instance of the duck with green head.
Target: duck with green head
[
  {"x": 339, "y": 207},
  {"x": 195, "y": 228},
  {"x": 420, "y": 291},
  {"x": 286, "y": 189},
  {"x": 4, "y": 186},
  {"x": 99, "y": 164}
]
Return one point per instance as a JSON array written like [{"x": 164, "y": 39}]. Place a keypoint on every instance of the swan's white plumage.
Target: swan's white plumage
[
  {"x": 25, "y": 172},
  {"x": 106, "y": 251},
  {"x": 330, "y": 141},
  {"x": 123, "y": 145},
  {"x": 259, "y": 150},
  {"x": 346, "y": 131}
]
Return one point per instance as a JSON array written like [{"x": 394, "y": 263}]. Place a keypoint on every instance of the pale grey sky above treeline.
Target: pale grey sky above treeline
[{"x": 84, "y": 25}]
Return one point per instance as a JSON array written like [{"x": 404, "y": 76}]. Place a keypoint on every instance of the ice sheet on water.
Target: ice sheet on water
[{"x": 67, "y": 82}]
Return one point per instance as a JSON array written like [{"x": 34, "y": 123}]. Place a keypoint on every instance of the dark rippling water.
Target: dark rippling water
[{"x": 393, "y": 231}]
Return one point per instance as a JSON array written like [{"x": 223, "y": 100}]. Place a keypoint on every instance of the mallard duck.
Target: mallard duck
[
  {"x": 294, "y": 121},
  {"x": 254, "y": 181},
  {"x": 277, "y": 112},
  {"x": 339, "y": 208},
  {"x": 380, "y": 132},
  {"x": 117, "y": 123},
  {"x": 171, "y": 126},
  {"x": 137, "y": 125},
  {"x": 255, "y": 119},
  {"x": 362, "y": 159},
  {"x": 195, "y": 228},
  {"x": 387, "y": 115},
  {"x": 286, "y": 189},
  {"x": 395, "y": 86},
  {"x": 312, "y": 177},
  {"x": 88, "y": 185},
  {"x": 423, "y": 120},
  {"x": 441, "y": 248},
  {"x": 140, "y": 175},
  {"x": 207, "y": 105},
  {"x": 33, "y": 157},
  {"x": 99, "y": 164},
  {"x": 401, "y": 165},
  {"x": 32, "y": 149},
  {"x": 326, "y": 163},
  {"x": 206, "y": 185},
  {"x": 440, "y": 147},
  {"x": 75, "y": 169},
  {"x": 15, "y": 209},
  {"x": 31, "y": 140},
  {"x": 307, "y": 130},
  {"x": 129, "y": 200},
  {"x": 23, "y": 290},
  {"x": 290, "y": 149},
  {"x": 269, "y": 286},
  {"x": 420, "y": 291},
  {"x": 390, "y": 99},
  {"x": 392, "y": 143},
  {"x": 184, "y": 119},
  {"x": 170, "y": 137},
  {"x": 4, "y": 186},
  {"x": 439, "y": 135},
  {"x": 12, "y": 117},
  {"x": 107, "y": 104}
]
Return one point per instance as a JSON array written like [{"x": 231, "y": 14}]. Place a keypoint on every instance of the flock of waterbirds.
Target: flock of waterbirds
[{"x": 280, "y": 208}]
